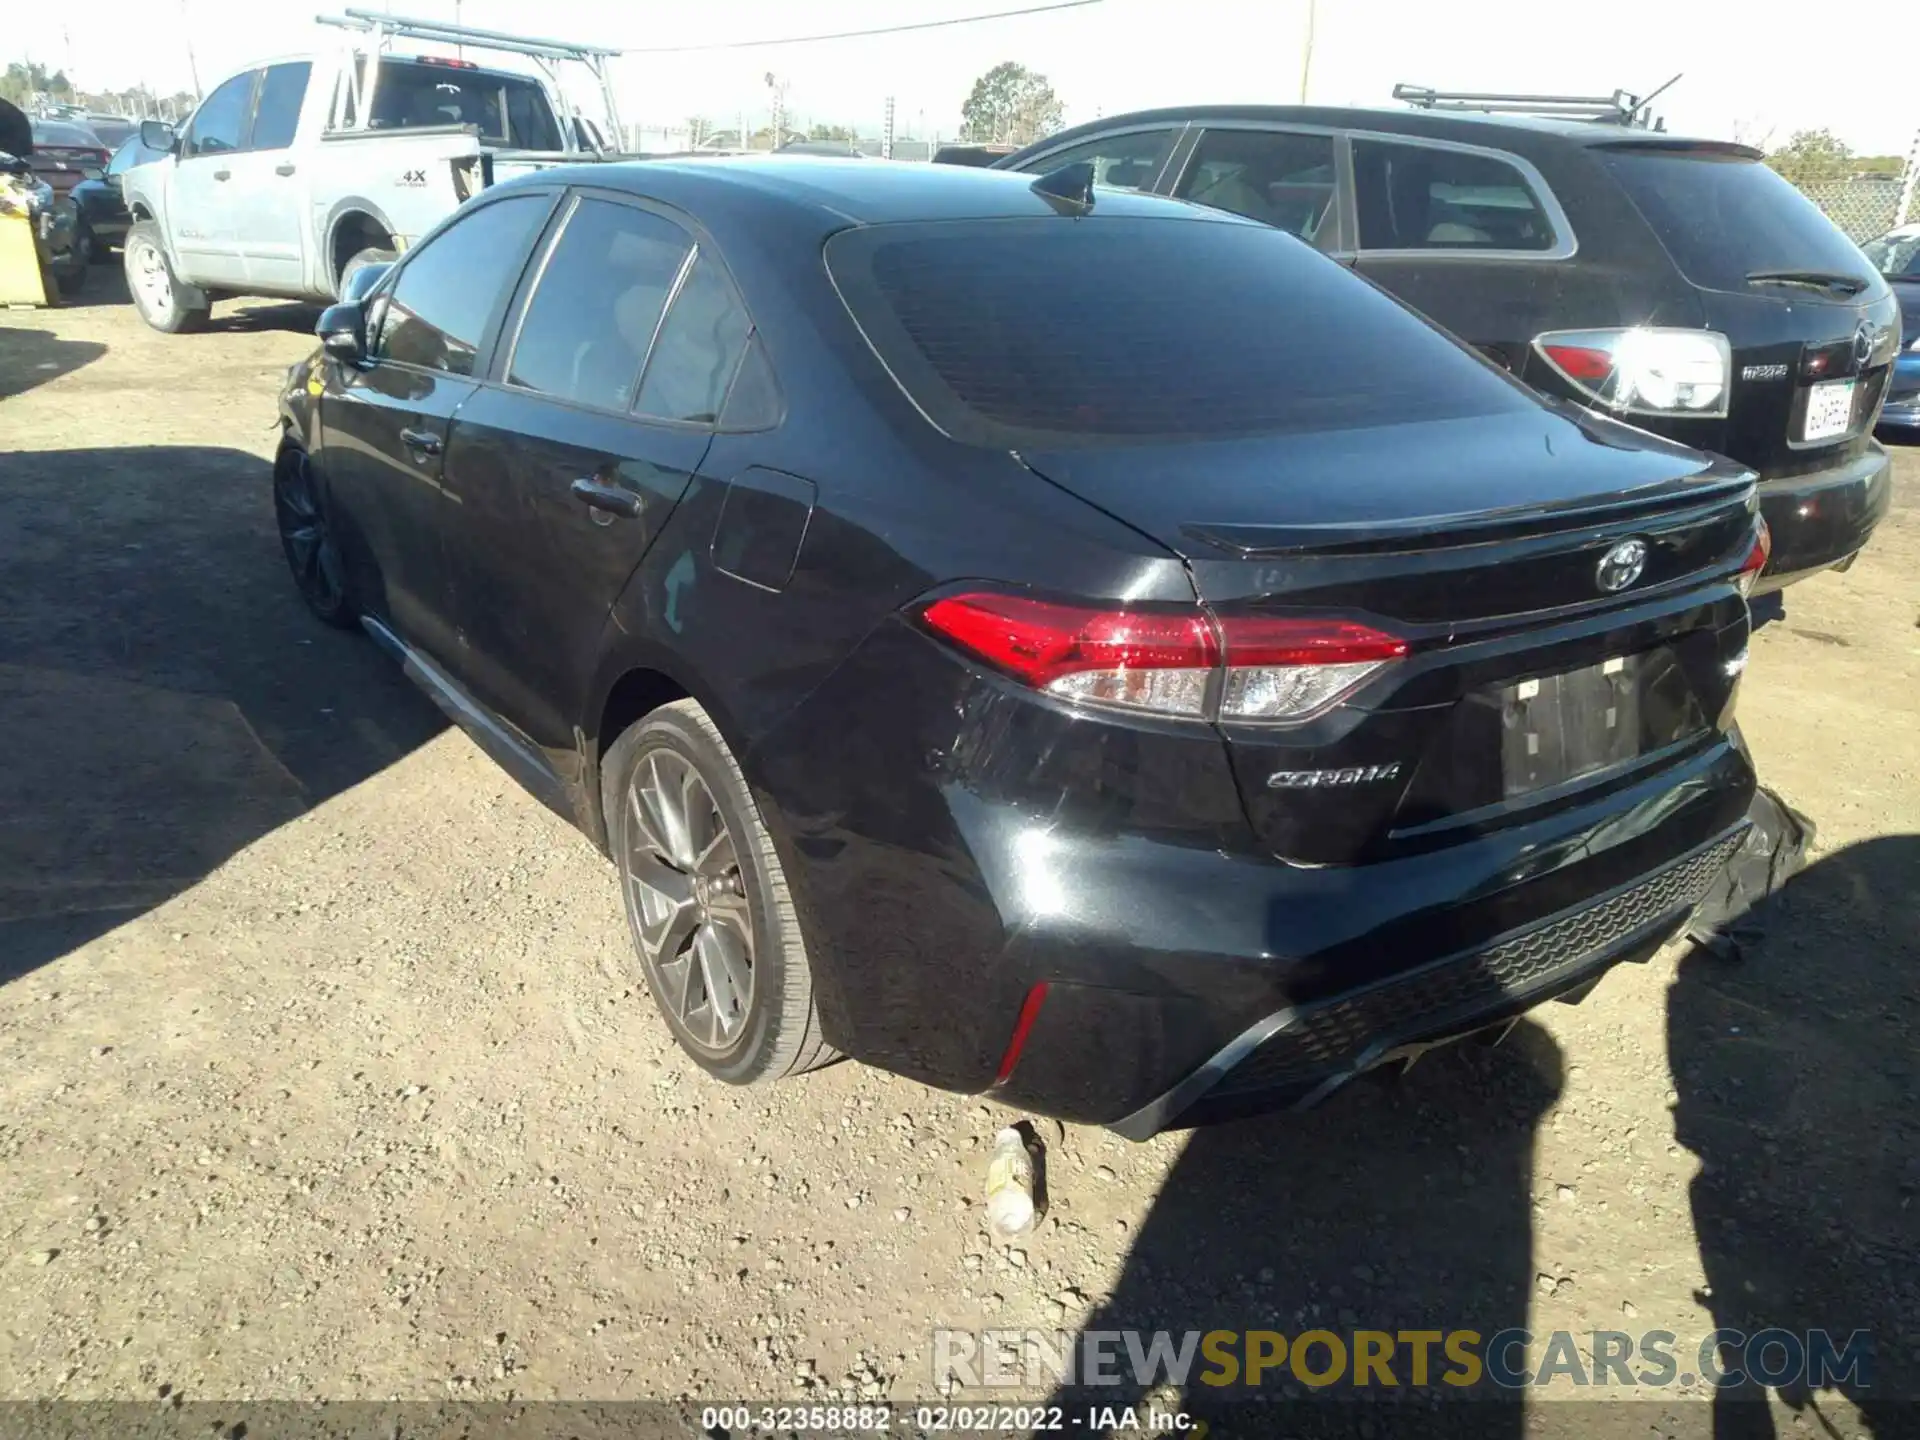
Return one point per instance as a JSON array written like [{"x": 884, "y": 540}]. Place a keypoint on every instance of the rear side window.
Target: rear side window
[
  {"x": 1279, "y": 179},
  {"x": 1127, "y": 162},
  {"x": 599, "y": 300},
  {"x": 1895, "y": 254},
  {"x": 277, "y": 112},
  {"x": 1102, "y": 330},
  {"x": 1419, "y": 197},
  {"x": 447, "y": 289},
  {"x": 504, "y": 109},
  {"x": 1724, "y": 217},
  {"x": 698, "y": 350}
]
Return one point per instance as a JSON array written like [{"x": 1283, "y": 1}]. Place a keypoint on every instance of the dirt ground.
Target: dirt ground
[{"x": 323, "y": 1073}]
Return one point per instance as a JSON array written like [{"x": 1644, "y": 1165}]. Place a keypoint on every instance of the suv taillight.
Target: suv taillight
[
  {"x": 1276, "y": 669},
  {"x": 1645, "y": 370}
]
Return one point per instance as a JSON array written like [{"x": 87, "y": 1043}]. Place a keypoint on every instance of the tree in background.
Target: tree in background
[
  {"x": 23, "y": 82},
  {"x": 831, "y": 132},
  {"x": 1010, "y": 105},
  {"x": 1811, "y": 156}
]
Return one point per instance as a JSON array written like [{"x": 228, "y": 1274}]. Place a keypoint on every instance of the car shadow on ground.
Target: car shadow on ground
[
  {"x": 165, "y": 697},
  {"x": 107, "y": 285},
  {"x": 1408, "y": 1206},
  {"x": 33, "y": 357}
]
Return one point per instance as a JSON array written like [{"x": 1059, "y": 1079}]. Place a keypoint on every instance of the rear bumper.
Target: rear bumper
[
  {"x": 1298, "y": 1056},
  {"x": 1823, "y": 517}
]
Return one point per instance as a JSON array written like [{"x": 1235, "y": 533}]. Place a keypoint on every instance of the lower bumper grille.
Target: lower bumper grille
[{"x": 1448, "y": 995}]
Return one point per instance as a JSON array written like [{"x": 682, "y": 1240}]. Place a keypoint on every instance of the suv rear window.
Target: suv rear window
[
  {"x": 1724, "y": 216},
  {"x": 1089, "y": 331}
]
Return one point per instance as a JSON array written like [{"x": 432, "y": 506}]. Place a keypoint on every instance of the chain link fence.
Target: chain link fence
[{"x": 1863, "y": 205}]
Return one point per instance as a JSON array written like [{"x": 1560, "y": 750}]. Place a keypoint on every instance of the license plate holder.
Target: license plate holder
[
  {"x": 1829, "y": 410},
  {"x": 1558, "y": 728}
]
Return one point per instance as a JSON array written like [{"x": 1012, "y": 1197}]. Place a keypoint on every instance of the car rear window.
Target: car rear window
[
  {"x": 1090, "y": 331},
  {"x": 60, "y": 136},
  {"x": 1723, "y": 216}
]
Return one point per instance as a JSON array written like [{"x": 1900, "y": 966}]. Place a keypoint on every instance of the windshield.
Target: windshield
[
  {"x": 1724, "y": 217},
  {"x": 1103, "y": 331},
  {"x": 505, "y": 109},
  {"x": 1897, "y": 253}
]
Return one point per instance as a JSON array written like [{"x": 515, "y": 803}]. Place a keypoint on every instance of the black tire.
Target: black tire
[
  {"x": 372, "y": 255},
  {"x": 160, "y": 305},
  {"x": 73, "y": 279},
  {"x": 306, "y": 539},
  {"x": 778, "y": 1031},
  {"x": 102, "y": 254}
]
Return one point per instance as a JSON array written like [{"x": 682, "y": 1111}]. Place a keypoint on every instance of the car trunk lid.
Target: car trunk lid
[{"x": 1536, "y": 663}]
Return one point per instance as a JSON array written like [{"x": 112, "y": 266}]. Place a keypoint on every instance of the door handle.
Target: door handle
[
  {"x": 283, "y": 168},
  {"x": 610, "y": 498},
  {"x": 421, "y": 442},
  {"x": 223, "y": 174}
]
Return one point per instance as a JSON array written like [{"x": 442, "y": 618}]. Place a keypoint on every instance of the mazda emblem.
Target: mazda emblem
[
  {"x": 1621, "y": 565},
  {"x": 1862, "y": 347}
]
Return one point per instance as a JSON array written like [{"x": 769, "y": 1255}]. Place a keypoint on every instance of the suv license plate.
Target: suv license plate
[{"x": 1829, "y": 410}]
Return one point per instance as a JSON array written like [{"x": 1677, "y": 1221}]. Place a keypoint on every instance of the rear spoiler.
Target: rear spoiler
[{"x": 1677, "y": 145}]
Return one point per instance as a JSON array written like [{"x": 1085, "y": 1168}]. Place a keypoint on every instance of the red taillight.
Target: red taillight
[
  {"x": 1578, "y": 362},
  {"x": 1271, "y": 668},
  {"x": 1756, "y": 560}
]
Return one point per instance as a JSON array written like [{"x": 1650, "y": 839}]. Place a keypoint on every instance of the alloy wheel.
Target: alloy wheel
[
  {"x": 151, "y": 282},
  {"x": 311, "y": 553},
  {"x": 689, "y": 900}
]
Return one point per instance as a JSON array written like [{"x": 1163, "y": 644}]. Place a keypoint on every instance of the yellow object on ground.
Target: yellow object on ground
[{"x": 23, "y": 277}]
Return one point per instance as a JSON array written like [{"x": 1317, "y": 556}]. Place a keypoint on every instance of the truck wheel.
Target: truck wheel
[
  {"x": 155, "y": 294},
  {"x": 372, "y": 255}
]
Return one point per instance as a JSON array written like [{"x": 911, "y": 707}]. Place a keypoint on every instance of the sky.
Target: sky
[{"x": 1745, "y": 77}]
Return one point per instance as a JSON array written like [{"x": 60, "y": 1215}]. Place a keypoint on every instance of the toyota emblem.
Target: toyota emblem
[{"x": 1621, "y": 565}]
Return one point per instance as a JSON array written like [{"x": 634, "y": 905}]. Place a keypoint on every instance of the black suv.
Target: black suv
[{"x": 1677, "y": 283}]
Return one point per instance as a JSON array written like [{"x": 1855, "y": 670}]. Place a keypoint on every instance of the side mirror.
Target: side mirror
[
  {"x": 342, "y": 330},
  {"x": 361, "y": 282},
  {"x": 156, "y": 135}
]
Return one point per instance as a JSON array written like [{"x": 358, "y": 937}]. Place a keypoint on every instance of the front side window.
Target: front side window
[
  {"x": 220, "y": 124},
  {"x": 1128, "y": 162},
  {"x": 277, "y": 113},
  {"x": 1284, "y": 180},
  {"x": 438, "y": 307},
  {"x": 601, "y": 293},
  {"x": 699, "y": 348},
  {"x": 1418, "y": 197}
]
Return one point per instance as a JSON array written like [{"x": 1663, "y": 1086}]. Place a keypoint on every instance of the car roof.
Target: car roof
[
  {"x": 1465, "y": 125},
  {"x": 837, "y": 193}
]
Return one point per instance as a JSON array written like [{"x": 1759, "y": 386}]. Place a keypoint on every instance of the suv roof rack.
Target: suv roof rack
[
  {"x": 384, "y": 28},
  {"x": 1622, "y": 107}
]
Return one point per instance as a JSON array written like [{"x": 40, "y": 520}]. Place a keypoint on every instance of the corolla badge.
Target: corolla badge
[{"x": 1621, "y": 566}]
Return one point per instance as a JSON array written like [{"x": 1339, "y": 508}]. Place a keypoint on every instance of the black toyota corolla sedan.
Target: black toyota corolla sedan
[{"x": 1039, "y": 639}]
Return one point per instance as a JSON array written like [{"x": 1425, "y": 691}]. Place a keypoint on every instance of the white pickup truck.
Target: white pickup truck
[{"x": 296, "y": 172}]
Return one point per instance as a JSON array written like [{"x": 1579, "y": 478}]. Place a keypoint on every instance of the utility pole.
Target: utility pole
[
  {"x": 193, "y": 66},
  {"x": 1306, "y": 60},
  {"x": 886, "y": 133},
  {"x": 1906, "y": 212}
]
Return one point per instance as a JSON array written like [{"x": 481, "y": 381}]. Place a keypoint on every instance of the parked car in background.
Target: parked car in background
[
  {"x": 980, "y": 155},
  {"x": 66, "y": 152},
  {"x": 1678, "y": 284},
  {"x": 112, "y": 129},
  {"x": 1897, "y": 256},
  {"x": 990, "y": 647},
  {"x": 293, "y": 174},
  {"x": 103, "y": 208}
]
